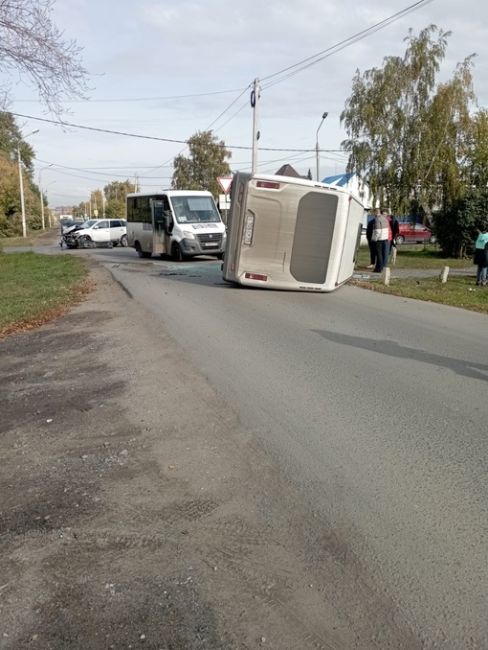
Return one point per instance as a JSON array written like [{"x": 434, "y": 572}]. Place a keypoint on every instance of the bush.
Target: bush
[
  {"x": 10, "y": 226},
  {"x": 458, "y": 227}
]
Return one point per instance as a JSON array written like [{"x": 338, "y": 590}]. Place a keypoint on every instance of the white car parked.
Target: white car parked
[{"x": 102, "y": 231}]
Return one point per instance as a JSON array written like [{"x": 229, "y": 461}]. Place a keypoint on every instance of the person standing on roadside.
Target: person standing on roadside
[
  {"x": 481, "y": 256},
  {"x": 381, "y": 232},
  {"x": 393, "y": 233},
  {"x": 371, "y": 243}
]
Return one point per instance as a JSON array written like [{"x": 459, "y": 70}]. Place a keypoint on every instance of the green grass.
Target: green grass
[
  {"x": 35, "y": 288},
  {"x": 33, "y": 237},
  {"x": 417, "y": 257},
  {"x": 458, "y": 291}
]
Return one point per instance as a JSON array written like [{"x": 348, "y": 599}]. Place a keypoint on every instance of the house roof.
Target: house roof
[
  {"x": 339, "y": 179},
  {"x": 288, "y": 170}
]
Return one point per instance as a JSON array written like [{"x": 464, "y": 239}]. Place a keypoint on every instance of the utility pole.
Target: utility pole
[
  {"x": 42, "y": 210},
  {"x": 42, "y": 196},
  {"x": 22, "y": 202},
  {"x": 255, "y": 95},
  {"x": 21, "y": 183}
]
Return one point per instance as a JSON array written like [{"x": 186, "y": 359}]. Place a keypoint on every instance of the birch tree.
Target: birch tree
[
  {"x": 407, "y": 133},
  {"x": 206, "y": 161}
]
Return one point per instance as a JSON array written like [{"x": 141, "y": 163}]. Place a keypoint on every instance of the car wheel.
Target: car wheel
[
  {"x": 400, "y": 239},
  {"x": 86, "y": 242},
  {"x": 432, "y": 239},
  {"x": 177, "y": 253},
  {"x": 123, "y": 241}
]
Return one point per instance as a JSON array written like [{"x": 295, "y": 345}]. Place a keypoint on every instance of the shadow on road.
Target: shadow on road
[{"x": 393, "y": 349}]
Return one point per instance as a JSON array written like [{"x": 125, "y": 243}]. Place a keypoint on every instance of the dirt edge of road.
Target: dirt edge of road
[{"x": 137, "y": 511}]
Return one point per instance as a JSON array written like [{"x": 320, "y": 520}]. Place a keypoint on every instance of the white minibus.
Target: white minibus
[
  {"x": 181, "y": 223},
  {"x": 291, "y": 233}
]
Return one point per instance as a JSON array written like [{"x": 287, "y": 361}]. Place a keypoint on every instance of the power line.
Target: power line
[
  {"x": 58, "y": 166},
  {"x": 97, "y": 129},
  {"x": 100, "y": 180},
  {"x": 320, "y": 56},
  {"x": 152, "y": 137},
  {"x": 245, "y": 105},
  {"x": 139, "y": 99},
  {"x": 228, "y": 107},
  {"x": 208, "y": 128}
]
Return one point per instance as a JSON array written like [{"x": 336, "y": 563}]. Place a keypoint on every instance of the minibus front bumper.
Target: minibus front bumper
[{"x": 208, "y": 244}]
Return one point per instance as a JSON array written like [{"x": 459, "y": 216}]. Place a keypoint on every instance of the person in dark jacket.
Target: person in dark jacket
[
  {"x": 371, "y": 243},
  {"x": 481, "y": 256}
]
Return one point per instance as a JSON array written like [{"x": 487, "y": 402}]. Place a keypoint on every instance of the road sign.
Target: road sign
[
  {"x": 224, "y": 202},
  {"x": 224, "y": 182}
]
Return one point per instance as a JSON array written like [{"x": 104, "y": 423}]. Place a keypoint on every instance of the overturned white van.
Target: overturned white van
[{"x": 291, "y": 233}]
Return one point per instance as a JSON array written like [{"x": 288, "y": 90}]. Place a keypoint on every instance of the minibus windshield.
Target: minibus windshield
[{"x": 194, "y": 209}]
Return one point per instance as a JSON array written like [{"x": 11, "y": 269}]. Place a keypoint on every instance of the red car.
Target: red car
[{"x": 415, "y": 234}]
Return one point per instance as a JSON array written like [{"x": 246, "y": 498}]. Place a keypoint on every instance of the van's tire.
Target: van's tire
[
  {"x": 400, "y": 239},
  {"x": 177, "y": 253},
  {"x": 140, "y": 252},
  {"x": 123, "y": 241}
]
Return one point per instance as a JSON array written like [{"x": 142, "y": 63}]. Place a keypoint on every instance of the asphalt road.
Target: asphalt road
[{"x": 374, "y": 408}]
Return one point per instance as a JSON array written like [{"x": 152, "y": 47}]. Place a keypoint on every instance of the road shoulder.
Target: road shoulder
[{"x": 136, "y": 511}]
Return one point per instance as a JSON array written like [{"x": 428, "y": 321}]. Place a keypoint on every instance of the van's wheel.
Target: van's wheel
[
  {"x": 177, "y": 253},
  {"x": 123, "y": 241},
  {"x": 139, "y": 250},
  {"x": 400, "y": 239}
]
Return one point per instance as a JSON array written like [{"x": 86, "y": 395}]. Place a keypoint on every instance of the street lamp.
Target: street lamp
[
  {"x": 42, "y": 197},
  {"x": 21, "y": 181},
  {"x": 324, "y": 115}
]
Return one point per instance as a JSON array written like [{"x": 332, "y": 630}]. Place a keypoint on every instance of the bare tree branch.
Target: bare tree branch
[{"x": 32, "y": 45}]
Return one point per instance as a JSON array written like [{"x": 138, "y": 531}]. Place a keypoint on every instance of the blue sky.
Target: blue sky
[{"x": 151, "y": 49}]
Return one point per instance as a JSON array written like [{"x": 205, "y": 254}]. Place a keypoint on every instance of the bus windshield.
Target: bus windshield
[{"x": 194, "y": 209}]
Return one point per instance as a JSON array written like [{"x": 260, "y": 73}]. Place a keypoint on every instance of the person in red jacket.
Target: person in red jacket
[{"x": 394, "y": 231}]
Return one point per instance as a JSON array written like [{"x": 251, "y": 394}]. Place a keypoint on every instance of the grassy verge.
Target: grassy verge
[
  {"x": 36, "y": 288},
  {"x": 36, "y": 237},
  {"x": 458, "y": 291},
  {"x": 417, "y": 257}
]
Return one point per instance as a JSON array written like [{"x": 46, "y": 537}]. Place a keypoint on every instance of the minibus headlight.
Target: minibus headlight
[{"x": 188, "y": 234}]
